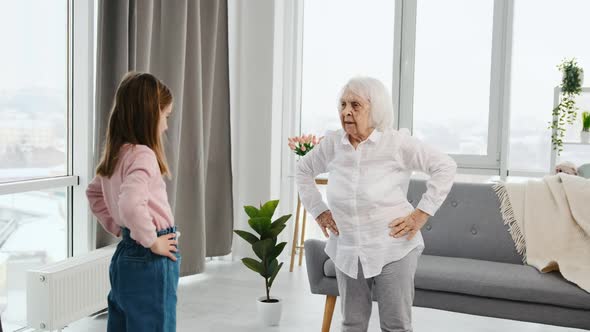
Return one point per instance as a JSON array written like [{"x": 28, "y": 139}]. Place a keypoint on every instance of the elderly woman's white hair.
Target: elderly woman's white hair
[{"x": 371, "y": 89}]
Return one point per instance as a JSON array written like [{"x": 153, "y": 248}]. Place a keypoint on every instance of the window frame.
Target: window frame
[
  {"x": 494, "y": 162},
  {"x": 80, "y": 106},
  {"x": 82, "y": 86}
]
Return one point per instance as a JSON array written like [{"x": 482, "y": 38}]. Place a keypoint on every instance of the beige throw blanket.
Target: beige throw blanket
[{"x": 549, "y": 221}]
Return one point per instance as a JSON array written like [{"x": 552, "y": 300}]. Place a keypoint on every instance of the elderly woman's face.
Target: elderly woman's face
[{"x": 354, "y": 114}]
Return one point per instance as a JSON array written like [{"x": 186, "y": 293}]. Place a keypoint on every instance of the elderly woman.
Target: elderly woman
[{"x": 376, "y": 240}]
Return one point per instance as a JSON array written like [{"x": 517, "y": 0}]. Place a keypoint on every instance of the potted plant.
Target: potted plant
[
  {"x": 267, "y": 250},
  {"x": 585, "y": 134},
  {"x": 565, "y": 112}
]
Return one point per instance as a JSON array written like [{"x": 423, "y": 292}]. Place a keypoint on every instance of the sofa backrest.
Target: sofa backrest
[{"x": 467, "y": 225}]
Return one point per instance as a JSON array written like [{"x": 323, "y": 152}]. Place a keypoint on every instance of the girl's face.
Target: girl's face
[{"x": 164, "y": 114}]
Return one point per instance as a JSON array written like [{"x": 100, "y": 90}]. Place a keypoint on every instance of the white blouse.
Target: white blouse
[{"x": 367, "y": 189}]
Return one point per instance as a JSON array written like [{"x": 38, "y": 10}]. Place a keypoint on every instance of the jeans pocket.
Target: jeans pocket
[
  {"x": 137, "y": 271},
  {"x": 135, "y": 253},
  {"x": 139, "y": 277}
]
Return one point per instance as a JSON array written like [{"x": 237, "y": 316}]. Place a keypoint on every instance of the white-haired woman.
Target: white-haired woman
[{"x": 376, "y": 240}]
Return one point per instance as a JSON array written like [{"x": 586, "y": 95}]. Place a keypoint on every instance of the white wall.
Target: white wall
[
  {"x": 251, "y": 81},
  {"x": 263, "y": 113}
]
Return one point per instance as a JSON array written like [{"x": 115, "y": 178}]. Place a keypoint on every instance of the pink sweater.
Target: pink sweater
[{"x": 134, "y": 196}]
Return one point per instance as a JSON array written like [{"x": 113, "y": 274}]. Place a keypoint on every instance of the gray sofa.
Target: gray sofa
[{"x": 470, "y": 265}]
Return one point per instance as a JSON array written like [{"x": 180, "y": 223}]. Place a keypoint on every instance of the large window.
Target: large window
[
  {"x": 33, "y": 143},
  {"x": 37, "y": 173},
  {"x": 342, "y": 39},
  {"x": 452, "y": 74},
  {"x": 473, "y": 78},
  {"x": 443, "y": 65},
  {"x": 33, "y": 89},
  {"x": 545, "y": 32}
]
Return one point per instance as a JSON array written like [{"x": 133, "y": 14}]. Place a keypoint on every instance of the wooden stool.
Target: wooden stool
[{"x": 294, "y": 247}]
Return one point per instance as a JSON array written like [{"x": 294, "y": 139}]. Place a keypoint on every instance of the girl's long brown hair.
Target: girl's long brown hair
[{"x": 135, "y": 119}]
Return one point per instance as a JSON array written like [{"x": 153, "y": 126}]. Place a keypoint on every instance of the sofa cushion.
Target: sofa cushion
[
  {"x": 498, "y": 280},
  {"x": 494, "y": 280},
  {"x": 468, "y": 224}
]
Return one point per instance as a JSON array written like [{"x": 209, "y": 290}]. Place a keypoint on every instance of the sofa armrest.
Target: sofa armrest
[{"x": 315, "y": 258}]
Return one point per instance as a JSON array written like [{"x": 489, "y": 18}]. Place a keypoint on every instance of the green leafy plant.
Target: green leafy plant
[
  {"x": 565, "y": 112},
  {"x": 265, "y": 244},
  {"x": 585, "y": 121}
]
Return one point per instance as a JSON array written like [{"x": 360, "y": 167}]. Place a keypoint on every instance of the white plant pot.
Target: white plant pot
[
  {"x": 269, "y": 314},
  {"x": 585, "y": 136}
]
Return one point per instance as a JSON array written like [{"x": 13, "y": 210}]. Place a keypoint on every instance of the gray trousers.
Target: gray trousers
[{"x": 393, "y": 289}]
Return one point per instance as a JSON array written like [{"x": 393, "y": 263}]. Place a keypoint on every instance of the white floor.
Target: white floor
[{"x": 222, "y": 299}]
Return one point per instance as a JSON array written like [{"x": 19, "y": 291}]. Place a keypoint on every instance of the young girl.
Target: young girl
[{"x": 128, "y": 196}]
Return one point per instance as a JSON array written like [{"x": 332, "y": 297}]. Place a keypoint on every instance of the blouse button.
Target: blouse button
[
  {"x": 454, "y": 203},
  {"x": 473, "y": 230},
  {"x": 428, "y": 227}
]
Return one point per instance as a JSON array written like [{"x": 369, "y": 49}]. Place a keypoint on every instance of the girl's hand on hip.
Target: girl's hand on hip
[
  {"x": 165, "y": 245},
  {"x": 326, "y": 222},
  {"x": 409, "y": 225}
]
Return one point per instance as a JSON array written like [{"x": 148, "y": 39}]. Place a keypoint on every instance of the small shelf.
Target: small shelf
[{"x": 575, "y": 143}]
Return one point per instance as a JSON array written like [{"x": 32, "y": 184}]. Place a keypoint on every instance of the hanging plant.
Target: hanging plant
[{"x": 565, "y": 112}]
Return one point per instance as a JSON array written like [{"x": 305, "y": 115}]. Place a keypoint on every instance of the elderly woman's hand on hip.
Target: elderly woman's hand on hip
[
  {"x": 326, "y": 222},
  {"x": 408, "y": 225}
]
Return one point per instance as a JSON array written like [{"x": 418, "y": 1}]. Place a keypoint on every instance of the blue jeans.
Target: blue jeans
[{"x": 143, "y": 288}]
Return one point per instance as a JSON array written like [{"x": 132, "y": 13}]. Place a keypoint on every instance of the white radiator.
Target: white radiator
[{"x": 65, "y": 291}]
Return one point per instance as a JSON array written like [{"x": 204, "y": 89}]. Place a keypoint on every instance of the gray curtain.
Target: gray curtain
[{"x": 185, "y": 44}]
